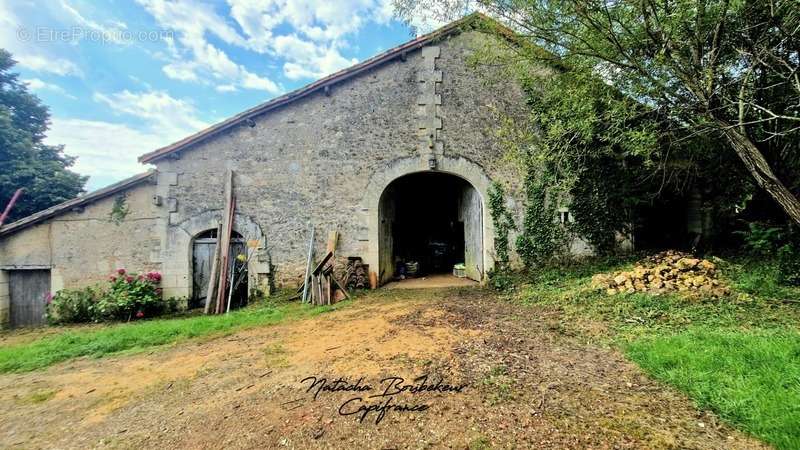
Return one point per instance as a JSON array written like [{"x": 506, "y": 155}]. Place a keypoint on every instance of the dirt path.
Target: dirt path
[{"x": 514, "y": 379}]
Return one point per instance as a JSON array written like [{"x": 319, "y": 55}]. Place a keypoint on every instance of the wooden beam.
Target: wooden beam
[
  {"x": 308, "y": 264},
  {"x": 322, "y": 263}
]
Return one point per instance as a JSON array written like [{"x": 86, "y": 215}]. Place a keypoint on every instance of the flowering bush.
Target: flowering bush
[
  {"x": 128, "y": 296},
  {"x": 72, "y": 305}
]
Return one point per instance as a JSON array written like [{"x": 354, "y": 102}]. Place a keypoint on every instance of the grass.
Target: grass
[
  {"x": 138, "y": 336},
  {"x": 738, "y": 356},
  {"x": 751, "y": 379}
]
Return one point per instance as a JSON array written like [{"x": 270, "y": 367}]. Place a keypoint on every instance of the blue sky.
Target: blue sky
[{"x": 123, "y": 78}]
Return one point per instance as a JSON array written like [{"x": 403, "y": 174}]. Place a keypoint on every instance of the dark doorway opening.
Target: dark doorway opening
[
  {"x": 203, "y": 248},
  {"x": 430, "y": 221}
]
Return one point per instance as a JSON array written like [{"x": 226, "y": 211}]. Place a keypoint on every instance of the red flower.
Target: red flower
[
  {"x": 140, "y": 277},
  {"x": 139, "y": 314},
  {"x": 112, "y": 277},
  {"x": 129, "y": 279},
  {"x": 159, "y": 291},
  {"x": 155, "y": 277},
  {"x": 121, "y": 271},
  {"x": 48, "y": 298}
]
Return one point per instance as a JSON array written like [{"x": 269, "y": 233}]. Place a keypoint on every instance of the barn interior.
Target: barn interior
[{"x": 423, "y": 229}]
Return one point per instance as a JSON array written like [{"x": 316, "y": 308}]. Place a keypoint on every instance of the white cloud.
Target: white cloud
[
  {"x": 16, "y": 38},
  {"x": 320, "y": 27},
  {"x": 161, "y": 113},
  {"x": 226, "y": 88},
  {"x": 306, "y": 59},
  {"x": 196, "y": 58},
  {"x": 107, "y": 152},
  {"x": 39, "y": 63},
  {"x": 110, "y": 32},
  {"x": 38, "y": 85},
  {"x": 311, "y": 49}
]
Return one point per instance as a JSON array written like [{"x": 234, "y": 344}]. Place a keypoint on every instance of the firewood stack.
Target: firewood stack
[{"x": 356, "y": 275}]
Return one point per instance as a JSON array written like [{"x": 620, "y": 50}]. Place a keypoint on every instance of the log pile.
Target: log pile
[
  {"x": 356, "y": 275},
  {"x": 669, "y": 271}
]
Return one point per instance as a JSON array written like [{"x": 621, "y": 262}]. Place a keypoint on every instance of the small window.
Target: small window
[{"x": 563, "y": 216}]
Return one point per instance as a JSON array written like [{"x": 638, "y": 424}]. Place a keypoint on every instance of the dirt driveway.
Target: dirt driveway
[{"x": 498, "y": 376}]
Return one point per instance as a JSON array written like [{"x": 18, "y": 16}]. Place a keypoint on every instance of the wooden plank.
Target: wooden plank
[
  {"x": 322, "y": 263},
  {"x": 225, "y": 240},
  {"x": 333, "y": 240},
  {"x": 227, "y": 280},
  {"x": 341, "y": 288},
  {"x": 308, "y": 264},
  {"x": 213, "y": 276}
]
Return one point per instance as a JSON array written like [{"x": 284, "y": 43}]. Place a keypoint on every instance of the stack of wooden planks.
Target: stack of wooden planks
[
  {"x": 220, "y": 283},
  {"x": 321, "y": 285}
]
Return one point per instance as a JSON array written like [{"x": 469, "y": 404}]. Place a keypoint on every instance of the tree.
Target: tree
[
  {"x": 41, "y": 170},
  {"x": 726, "y": 69}
]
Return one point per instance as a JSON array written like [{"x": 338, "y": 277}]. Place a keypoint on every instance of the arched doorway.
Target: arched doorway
[
  {"x": 203, "y": 247},
  {"x": 432, "y": 221}
]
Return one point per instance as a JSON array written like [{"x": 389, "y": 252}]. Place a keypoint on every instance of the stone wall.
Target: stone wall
[
  {"x": 83, "y": 247},
  {"x": 324, "y": 158}
]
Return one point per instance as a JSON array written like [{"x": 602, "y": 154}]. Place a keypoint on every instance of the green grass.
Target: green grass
[
  {"x": 138, "y": 336},
  {"x": 738, "y": 356},
  {"x": 751, "y": 379}
]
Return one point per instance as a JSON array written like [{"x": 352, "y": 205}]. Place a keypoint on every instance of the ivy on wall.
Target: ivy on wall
[
  {"x": 541, "y": 237},
  {"x": 119, "y": 210},
  {"x": 503, "y": 223},
  {"x": 601, "y": 204}
]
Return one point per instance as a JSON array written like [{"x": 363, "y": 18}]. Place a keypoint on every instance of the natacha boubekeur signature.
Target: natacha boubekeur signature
[{"x": 381, "y": 398}]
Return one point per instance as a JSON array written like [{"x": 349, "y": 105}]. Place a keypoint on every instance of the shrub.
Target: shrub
[
  {"x": 761, "y": 238},
  {"x": 72, "y": 306},
  {"x": 789, "y": 264},
  {"x": 128, "y": 296}
]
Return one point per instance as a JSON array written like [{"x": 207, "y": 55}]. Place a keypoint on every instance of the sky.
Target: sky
[{"x": 122, "y": 78}]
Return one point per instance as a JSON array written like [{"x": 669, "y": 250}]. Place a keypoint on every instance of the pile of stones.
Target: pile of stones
[{"x": 664, "y": 272}]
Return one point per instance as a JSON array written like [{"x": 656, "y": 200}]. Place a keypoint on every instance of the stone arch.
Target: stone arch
[
  {"x": 380, "y": 180},
  {"x": 180, "y": 238}
]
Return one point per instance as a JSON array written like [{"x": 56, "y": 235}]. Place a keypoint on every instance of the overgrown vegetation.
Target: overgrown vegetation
[
  {"x": 736, "y": 355},
  {"x": 120, "y": 209},
  {"x": 128, "y": 296},
  {"x": 541, "y": 237},
  {"x": 134, "y": 337},
  {"x": 503, "y": 223}
]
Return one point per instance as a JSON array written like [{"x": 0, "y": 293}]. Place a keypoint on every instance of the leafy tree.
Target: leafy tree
[
  {"x": 722, "y": 70},
  {"x": 41, "y": 170}
]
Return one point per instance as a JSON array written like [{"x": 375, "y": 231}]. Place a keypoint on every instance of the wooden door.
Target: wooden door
[
  {"x": 472, "y": 215},
  {"x": 29, "y": 290},
  {"x": 202, "y": 257}
]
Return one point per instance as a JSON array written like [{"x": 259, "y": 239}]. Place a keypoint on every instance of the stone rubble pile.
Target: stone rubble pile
[{"x": 664, "y": 272}]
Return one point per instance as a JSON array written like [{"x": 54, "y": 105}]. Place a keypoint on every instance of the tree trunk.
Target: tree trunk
[{"x": 759, "y": 167}]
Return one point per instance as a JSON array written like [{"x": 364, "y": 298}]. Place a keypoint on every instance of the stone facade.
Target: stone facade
[
  {"x": 84, "y": 245},
  {"x": 323, "y": 159},
  {"x": 326, "y": 158}
]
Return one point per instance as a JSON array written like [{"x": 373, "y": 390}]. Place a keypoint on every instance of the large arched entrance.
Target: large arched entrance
[{"x": 430, "y": 222}]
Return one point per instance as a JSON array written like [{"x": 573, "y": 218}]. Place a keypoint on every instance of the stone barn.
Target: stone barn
[{"x": 397, "y": 153}]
